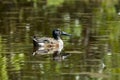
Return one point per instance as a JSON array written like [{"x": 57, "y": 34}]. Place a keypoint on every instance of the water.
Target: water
[{"x": 91, "y": 53}]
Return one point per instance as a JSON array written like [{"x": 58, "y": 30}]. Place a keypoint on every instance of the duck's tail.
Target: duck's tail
[{"x": 35, "y": 41}]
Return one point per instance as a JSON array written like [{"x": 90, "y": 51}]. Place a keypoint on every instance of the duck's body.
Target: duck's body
[
  {"x": 46, "y": 43},
  {"x": 47, "y": 46}
]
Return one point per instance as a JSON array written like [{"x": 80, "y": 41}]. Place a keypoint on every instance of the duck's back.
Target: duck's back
[{"x": 44, "y": 41}]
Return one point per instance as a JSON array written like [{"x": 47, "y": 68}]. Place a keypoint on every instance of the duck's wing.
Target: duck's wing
[
  {"x": 40, "y": 40},
  {"x": 44, "y": 41}
]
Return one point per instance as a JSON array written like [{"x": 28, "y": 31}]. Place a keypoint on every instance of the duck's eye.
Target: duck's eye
[{"x": 59, "y": 32}]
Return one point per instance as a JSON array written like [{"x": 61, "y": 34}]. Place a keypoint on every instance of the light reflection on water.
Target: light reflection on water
[
  {"x": 24, "y": 65},
  {"x": 88, "y": 53}
]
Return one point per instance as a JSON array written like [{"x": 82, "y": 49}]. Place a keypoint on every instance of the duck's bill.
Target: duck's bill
[{"x": 66, "y": 34}]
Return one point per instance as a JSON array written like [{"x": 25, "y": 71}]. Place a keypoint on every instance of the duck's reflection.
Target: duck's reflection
[{"x": 60, "y": 57}]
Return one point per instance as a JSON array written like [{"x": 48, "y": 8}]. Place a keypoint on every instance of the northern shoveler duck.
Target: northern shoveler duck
[{"x": 45, "y": 43}]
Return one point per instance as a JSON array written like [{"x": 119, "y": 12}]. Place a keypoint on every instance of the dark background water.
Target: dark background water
[{"x": 93, "y": 47}]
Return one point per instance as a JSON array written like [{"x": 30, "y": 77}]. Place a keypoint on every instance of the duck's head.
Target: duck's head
[{"x": 57, "y": 33}]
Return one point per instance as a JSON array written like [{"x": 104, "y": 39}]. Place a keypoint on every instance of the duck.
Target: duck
[{"x": 47, "y": 44}]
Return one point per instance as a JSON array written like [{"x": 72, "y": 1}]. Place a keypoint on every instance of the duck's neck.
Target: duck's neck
[
  {"x": 60, "y": 43},
  {"x": 59, "y": 40},
  {"x": 56, "y": 37}
]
